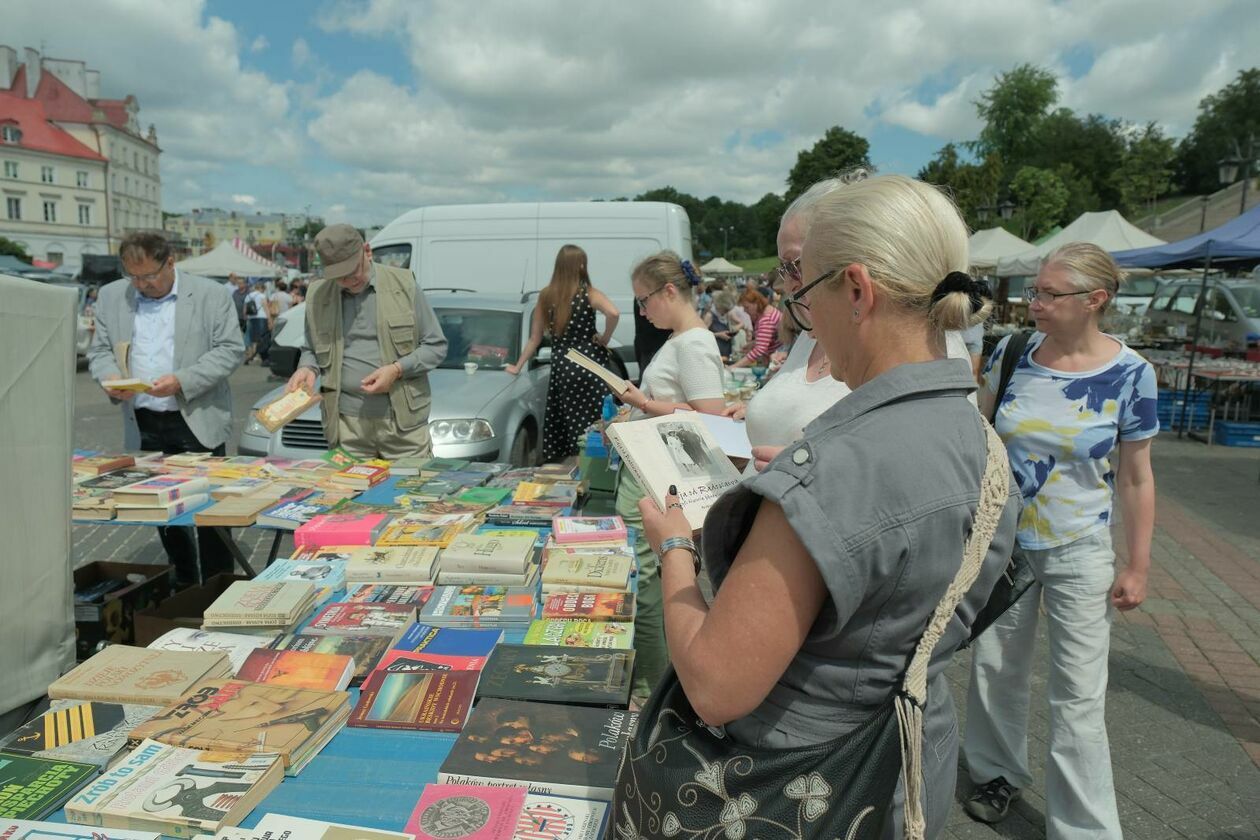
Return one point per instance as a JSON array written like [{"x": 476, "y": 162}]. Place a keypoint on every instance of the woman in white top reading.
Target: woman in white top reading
[{"x": 685, "y": 373}]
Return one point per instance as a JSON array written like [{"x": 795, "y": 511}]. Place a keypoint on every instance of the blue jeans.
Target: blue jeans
[{"x": 1074, "y": 586}]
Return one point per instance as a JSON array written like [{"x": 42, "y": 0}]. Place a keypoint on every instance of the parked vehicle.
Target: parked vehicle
[
  {"x": 510, "y": 249},
  {"x": 486, "y": 415},
  {"x": 1231, "y": 312}
]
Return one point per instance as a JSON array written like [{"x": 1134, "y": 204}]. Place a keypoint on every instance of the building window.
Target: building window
[
  {"x": 14, "y": 207},
  {"x": 50, "y": 211},
  {"x": 56, "y": 257},
  {"x": 10, "y": 169},
  {"x": 46, "y": 174},
  {"x": 10, "y": 134},
  {"x": 126, "y": 185},
  {"x": 85, "y": 214},
  {"x": 81, "y": 179}
]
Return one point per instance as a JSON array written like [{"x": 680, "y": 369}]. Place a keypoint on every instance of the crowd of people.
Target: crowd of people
[{"x": 872, "y": 458}]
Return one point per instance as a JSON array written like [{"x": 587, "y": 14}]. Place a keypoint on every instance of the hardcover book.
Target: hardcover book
[
  {"x": 558, "y": 674},
  {"x": 177, "y": 791},
  {"x": 236, "y": 646},
  {"x": 294, "y": 723},
  {"x": 482, "y": 553},
  {"x": 390, "y": 593},
  {"x": 161, "y": 489},
  {"x": 250, "y": 603},
  {"x": 298, "y": 669},
  {"x": 100, "y": 464},
  {"x": 581, "y": 633},
  {"x": 555, "y": 817},
  {"x": 460, "y": 649},
  {"x": 479, "y": 606},
  {"x": 406, "y": 696},
  {"x": 358, "y": 619},
  {"x": 126, "y": 674},
  {"x": 366, "y": 651},
  {"x": 468, "y": 812},
  {"x": 676, "y": 449},
  {"x": 567, "y": 750},
  {"x": 589, "y": 605},
  {"x": 89, "y": 733},
  {"x": 609, "y": 571},
  {"x": 31, "y": 788},
  {"x": 284, "y": 408},
  {"x": 458, "y": 577},
  {"x": 585, "y": 529},
  {"x": 158, "y": 512},
  {"x": 341, "y": 529}
]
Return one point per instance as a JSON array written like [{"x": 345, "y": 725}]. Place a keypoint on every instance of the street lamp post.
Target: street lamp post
[
  {"x": 1203, "y": 200},
  {"x": 1229, "y": 169},
  {"x": 726, "y": 231}
]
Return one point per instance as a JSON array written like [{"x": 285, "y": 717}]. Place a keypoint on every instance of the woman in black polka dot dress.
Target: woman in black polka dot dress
[{"x": 566, "y": 310}]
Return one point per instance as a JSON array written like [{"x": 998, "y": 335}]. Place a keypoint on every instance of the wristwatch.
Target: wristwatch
[{"x": 685, "y": 543}]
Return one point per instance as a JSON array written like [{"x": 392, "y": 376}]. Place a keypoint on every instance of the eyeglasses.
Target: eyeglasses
[
  {"x": 145, "y": 278},
  {"x": 797, "y": 309},
  {"x": 641, "y": 302},
  {"x": 1034, "y": 295},
  {"x": 790, "y": 269}
]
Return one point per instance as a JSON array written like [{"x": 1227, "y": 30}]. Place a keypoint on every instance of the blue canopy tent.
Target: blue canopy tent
[{"x": 1235, "y": 244}]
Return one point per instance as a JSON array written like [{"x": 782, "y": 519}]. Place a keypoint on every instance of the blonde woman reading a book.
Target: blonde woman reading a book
[
  {"x": 566, "y": 313},
  {"x": 828, "y": 563},
  {"x": 685, "y": 373}
]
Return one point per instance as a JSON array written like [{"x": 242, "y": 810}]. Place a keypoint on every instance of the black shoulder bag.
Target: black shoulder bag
[
  {"x": 682, "y": 778},
  {"x": 1018, "y": 577}
]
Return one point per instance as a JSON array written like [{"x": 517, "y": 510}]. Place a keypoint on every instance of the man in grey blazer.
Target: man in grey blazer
[{"x": 184, "y": 338}]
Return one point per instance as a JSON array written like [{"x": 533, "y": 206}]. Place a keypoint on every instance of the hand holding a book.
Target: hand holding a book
[
  {"x": 165, "y": 386},
  {"x": 302, "y": 379},
  {"x": 115, "y": 394},
  {"x": 659, "y": 525}
]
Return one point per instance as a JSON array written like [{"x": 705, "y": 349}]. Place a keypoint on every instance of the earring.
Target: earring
[{"x": 856, "y": 315}]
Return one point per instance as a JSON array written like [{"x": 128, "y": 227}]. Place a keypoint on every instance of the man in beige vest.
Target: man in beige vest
[{"x": 372, "y": 337}]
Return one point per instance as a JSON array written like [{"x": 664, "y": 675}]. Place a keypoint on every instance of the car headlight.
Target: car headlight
[
  {"x": 460, "y": 431},
  {"x": 253, "y": 427}
]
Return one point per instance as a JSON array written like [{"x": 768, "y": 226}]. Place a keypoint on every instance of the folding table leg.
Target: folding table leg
[{"x": 226, "y": 535}]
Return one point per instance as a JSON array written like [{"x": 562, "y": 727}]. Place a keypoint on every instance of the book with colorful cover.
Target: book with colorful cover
[
  {"x": 135, "y": 675},
  {"x": 366, "y": 651},
  {"x": 581, "y": 633},
  {"x": 460, "y": 648},
  {"x": 558, "y": 674},
  {"x": 339, "y": 458},
  {"x": 396, "y": 696},
  {"x": 89, "y": 733},
  {"x": 468, "y": 812},
  {"x": 589, "y": 605},
  {"x": 239, "y": 715},
  {"x": 587, "y": 745},
  {"x": 356, "y": 619},
  {"x": 327, "y": 576},
  {"x": 161, "y": 489},
  {"x": 120, "y": 478},
  {"x": 31, "y": 788},
  {"x": 361, "y": 476},
  {"x": 479, "y": 606},
  {"x": 585, "y": 529},
  {"x": 547, "y": 817},
  {"x": 527, "y": 515},
  {"x": 482, "y": 553},
  {"x": 286, "y": 407},
  {"x": 422, "y": 530},
  {"x": 389, "y": 593},
  {"x": 101, "y": 464},
  {"x": 487, "y": 497},
  {"x": 442, "y": 507},
  {"x": 544, "y": 495},
  {"x": 445, "y": 464},
  {"x": 236, "y": 646},
  {"x": 435, "y": 488},
  {"x": 341, "y": 529},
  {"x": 178, "y": 791},
  {"x": 298, "y": 669},
  {"x": 38, "y": 830}
]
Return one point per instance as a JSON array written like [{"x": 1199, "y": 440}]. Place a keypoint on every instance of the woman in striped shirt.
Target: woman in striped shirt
[{"x": 766, "y": 328}]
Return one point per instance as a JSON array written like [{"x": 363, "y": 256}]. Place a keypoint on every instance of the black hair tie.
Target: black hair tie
[{"x": 958, "y": 281}]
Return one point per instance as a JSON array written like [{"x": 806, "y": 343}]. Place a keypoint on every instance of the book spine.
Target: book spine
[
  {"x": 602, "y": 794},
  {"x": 462, "y": 578},
  {"x": 133, "y": 823},
  {"x": 244, "y": 621}
]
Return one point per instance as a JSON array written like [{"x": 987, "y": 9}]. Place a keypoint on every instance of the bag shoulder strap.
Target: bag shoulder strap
[
  {"x": 994, "y": 487},
  {"x": 1010, "y": 358}
]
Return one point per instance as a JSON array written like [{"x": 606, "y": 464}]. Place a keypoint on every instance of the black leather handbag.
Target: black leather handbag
[{"x": 682, "y": 778}]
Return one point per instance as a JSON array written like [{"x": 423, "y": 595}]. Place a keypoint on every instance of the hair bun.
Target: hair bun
[{"x": 959, "y": 281}]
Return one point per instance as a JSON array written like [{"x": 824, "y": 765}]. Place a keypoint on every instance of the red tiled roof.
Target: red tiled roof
[
  {"x": 60, "y": 102},
  {"x": 38, "y": 134},
  {"x": 115, "y": 111}
]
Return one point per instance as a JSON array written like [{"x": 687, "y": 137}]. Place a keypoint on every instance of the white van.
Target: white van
[{"x": 510, "y": 249}]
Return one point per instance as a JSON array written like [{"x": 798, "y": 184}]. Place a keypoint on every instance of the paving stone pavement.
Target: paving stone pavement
[{"x": 1183, "y": 712}]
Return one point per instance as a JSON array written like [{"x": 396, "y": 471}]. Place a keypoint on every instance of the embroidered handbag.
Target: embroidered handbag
[{"x": 682, "y": 778}]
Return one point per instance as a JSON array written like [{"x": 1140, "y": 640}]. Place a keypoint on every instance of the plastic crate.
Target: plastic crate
[{"x": 1232, "y": 433}]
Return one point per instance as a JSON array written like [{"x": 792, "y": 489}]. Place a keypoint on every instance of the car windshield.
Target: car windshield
[
  {"x": 1139, "y": 287},
  {"x": 1248, "y": 298},
  {"x": 490, "y": 338}
]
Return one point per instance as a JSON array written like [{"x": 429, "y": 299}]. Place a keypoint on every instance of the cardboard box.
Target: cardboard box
[
  {"x": 112, "y": 619},
  {"x": 183, "y": 609}
]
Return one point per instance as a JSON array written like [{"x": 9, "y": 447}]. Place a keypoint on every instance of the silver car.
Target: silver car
[
  {"x": 1231, "y": 318},
  {"x": 483, "y": 415}
]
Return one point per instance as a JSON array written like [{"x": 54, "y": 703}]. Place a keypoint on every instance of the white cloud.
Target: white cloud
[
  {"x": 301, "y": 53},
  {"x": 260, "y": 43},
  {"x": 246, "y": 200}
]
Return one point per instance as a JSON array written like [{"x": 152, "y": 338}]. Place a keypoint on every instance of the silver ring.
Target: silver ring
[{"x": 674, "y": 505}]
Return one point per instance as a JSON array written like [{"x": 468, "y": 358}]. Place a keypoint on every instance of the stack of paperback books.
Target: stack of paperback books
[
  {"x": 492, "y": 560},
  {"x": 249, "y": 606},
  {"x": 504, "y": 607}
]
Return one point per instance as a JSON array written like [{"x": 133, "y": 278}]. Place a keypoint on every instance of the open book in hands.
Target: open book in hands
[
  {"x": 125, "y": 382},
  {"x": 618, "y": 385}
]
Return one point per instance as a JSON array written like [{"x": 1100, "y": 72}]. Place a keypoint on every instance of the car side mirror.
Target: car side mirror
[{"x": 541, "y": 358}]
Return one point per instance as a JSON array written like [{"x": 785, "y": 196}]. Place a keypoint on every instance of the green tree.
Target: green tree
[
  {"x": 838, "y": 151},
  {"x": 1146, "y": 173},
  {"x": 1012, "y": 109},
  {"x": 1042, "y": 198},
  {"x": 1094, "y": 146},
  {"x": 973, "y": 186},
  {"x": 10, "y": 248},
  {"x": 1229, "y": 116}
]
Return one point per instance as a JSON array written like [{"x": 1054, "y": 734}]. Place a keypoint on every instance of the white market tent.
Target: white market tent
[
  {"x": 992, "y": 244},
  {"x": 1107, "y": 229},
  {"x": 226, "y": 258},
  {"x": 717, "y": 265}
]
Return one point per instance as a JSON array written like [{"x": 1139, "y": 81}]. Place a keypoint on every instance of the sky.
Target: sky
[{"x": 357, "y": 110}]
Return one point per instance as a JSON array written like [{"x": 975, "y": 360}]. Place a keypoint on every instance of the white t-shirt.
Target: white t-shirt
[
  {"x": 779, "y": 412},
  {"x": 282, "y": 301},
  {"x": 260, "y": 304},
  {"x": 687, "y": 367}
]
